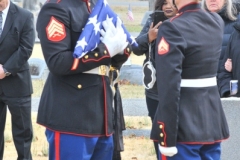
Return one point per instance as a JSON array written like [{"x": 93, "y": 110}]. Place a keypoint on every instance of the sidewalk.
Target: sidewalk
[{"x": 131, "y": 107}]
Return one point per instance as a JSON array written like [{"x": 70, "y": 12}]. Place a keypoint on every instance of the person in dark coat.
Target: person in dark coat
[
  {"x": 230, "y": 70},
  {"x": 76, "y": 104},
  {"x": 189, "y": 123},
  {"x": 17, "y": 41},
  {"x": 229, "y": 11},
  {"x": 146, "y": 39}
]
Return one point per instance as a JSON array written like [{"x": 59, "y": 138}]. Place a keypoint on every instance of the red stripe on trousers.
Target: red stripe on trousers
[
  {"x": 164, "y": 157},
  {"x": 57, "y": 145}
]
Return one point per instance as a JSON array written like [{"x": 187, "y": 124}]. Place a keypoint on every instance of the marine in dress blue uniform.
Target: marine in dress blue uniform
[
  {"x": 76, "y": 105},
  {"x": 190, "y": 122}
]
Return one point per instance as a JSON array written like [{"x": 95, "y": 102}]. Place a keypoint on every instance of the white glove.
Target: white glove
[
  {"x": 168, "y": 151},
  {"x": 113, "y": 37}
]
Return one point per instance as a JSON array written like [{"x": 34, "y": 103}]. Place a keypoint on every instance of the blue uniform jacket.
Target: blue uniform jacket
[
  {"x": 72, "y": 101},
  {"x": 188, "y": 46}
]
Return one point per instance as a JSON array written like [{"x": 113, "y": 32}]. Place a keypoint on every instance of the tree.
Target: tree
[
  {"x": 151, "y": 5},
  {"x": 29, "y": 4}
]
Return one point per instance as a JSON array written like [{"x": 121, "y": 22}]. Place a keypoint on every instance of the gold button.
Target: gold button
[
  {"x": 160, "y": 126},
  {"x": 79, "y": 86},
  {"x": 105, "y": 52},
  {"x": 162, "y": 143},
  {"x": 161, "y": 134},
  {"x": 89, "y": 4},
  {"x": 128, "y": 49},
  {"x": 96, "y": 54},
  {"x": 86, "y": 57}
]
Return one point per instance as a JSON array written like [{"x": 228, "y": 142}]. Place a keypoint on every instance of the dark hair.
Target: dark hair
[{"x": 159, "y": 4}]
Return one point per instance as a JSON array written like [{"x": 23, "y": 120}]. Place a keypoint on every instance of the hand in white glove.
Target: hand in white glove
[
  {"x": 113, "y": 37},
  {"x": 168, "y": 151}
]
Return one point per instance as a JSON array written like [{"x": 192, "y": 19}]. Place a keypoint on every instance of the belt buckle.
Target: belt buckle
[{"x": 103, "y": 70}]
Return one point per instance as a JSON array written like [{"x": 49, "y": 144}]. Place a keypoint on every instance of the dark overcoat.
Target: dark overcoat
[{"x": 16, "y": 45}]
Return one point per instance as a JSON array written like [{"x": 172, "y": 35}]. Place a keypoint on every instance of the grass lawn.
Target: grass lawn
[{"x": 136, "y": 147}]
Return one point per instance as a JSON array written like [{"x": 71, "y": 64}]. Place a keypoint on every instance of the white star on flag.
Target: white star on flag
[
  {"x": 97, "y": 27},
  {"x": 133, "y": 39},
  {"x": 92, "y": 20},
  {"x": 82, "y": 43},
  {"x": 90, "y": 37},
  {"x": 105, "y": 2},
  {"x": 108, "y": 18}
]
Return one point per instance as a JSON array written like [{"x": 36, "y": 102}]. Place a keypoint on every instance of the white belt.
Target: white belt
[
  {"x": 203, "y": 82},
  {"x": 101, "y": 70}
]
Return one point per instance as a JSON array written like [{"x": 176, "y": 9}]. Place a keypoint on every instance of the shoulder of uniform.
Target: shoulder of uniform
[
  {"x": 54, "y": 5},
  {"x": 176, "y": 17}
]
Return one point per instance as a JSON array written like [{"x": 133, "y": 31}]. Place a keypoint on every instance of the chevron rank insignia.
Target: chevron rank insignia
[
  {"x": 55, "y": 30},
  {"x": 163, "y": 47}
]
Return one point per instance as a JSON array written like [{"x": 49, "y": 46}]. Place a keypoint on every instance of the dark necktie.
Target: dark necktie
[{"x": 1, "y": 20}]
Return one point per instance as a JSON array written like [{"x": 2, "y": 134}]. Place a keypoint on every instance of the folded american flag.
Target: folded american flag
[{"x": 90, "y": 37}]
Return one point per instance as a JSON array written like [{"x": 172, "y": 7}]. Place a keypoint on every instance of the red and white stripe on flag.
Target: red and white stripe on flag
[{"x": 130, "y": 14}]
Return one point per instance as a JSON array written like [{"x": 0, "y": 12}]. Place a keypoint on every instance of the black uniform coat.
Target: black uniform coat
[
  {"x": 188, "y": 47},
  {"x": 73, "y": 101},
  {"x": 16, "y": 44},
  {"x": 232, "y": 52}
]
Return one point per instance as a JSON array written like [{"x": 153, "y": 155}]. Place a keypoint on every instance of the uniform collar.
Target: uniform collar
[{"x": 189, "y": 6}]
